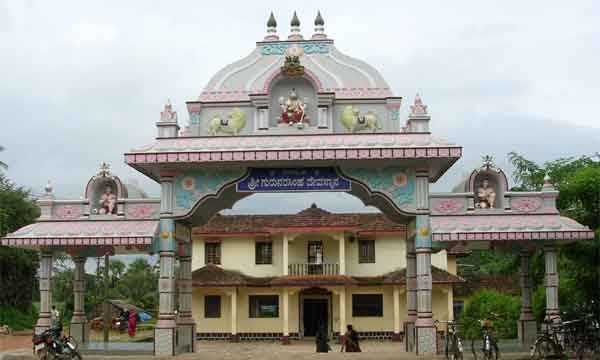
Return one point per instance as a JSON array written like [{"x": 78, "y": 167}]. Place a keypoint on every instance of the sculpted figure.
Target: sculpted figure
[
  {"x": 486, "y": 196},
  {"x": 108, "y": 202},
  {"x": 293, "y": 110}
]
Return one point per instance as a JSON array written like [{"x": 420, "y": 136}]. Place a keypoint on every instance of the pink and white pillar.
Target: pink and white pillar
[
  {"x": 79, "y": 320},
  {"x": 44, "y": 321},
  {"x": 551, "y": 260},
  {"x": 527, "y": 326}
]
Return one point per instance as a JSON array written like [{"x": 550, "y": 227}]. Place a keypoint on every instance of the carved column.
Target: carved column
[
  {"x": 552, "y": 308},
  {"x": 78, "y": 321},
  {"x": 426, "y": 330},
  {"x": 411, "y": 294},
  {"x": 285, "y": 258},
  {"x": 165, "y": 329},
  {"x": 527, "y": 326},
  {"x": 186, "y": 326},
  {"x": 44, "y": 321}
]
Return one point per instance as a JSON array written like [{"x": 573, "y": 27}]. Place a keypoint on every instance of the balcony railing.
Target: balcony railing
[{"x": 313, "y": 269}]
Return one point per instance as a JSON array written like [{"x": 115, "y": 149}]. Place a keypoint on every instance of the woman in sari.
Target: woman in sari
[{"x": 350, "y": 340}]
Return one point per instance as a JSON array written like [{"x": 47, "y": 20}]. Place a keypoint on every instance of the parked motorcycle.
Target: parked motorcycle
[{"x": 51, "y": 345}]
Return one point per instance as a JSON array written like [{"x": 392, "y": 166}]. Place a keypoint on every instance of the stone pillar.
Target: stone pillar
[
  {"x": 342, "y": 314},
  {"x": 552, "y": 309},
  {"x": 186, "y": 326},
  {"x": 285, "y": 302},
  {"x": 342, "y": 251},
  {"x": 234, "y": 334},
  {"x": 426, "y": 330},
  {"x": 411, "y": 295},
  {"x": 78, "y": 321},
  {"x": 285, "y": 257},
  {"x": 396, "y": 336},
  {"x": 527, "y": 327},
  {"x": 165, "y": 245},
  {"x": 44, "y": 321}
]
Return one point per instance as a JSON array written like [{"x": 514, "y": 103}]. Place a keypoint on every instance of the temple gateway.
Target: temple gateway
[{"x": 296, "y": 114}]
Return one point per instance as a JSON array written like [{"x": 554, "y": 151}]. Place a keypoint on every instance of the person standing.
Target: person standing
[
  {"x": 132, "y": 323},
  {"x": 55, "y": 317},
  {"x": 321, "y": 339},
  {"x": 350, "y": 342}
]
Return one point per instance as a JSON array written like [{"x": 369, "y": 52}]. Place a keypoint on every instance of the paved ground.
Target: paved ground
[{"x": 259, "y": 351}]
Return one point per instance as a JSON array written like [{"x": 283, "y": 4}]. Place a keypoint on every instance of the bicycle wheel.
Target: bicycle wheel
[
  {"x": 543, "y": 347},
  {"x": 481, "y": 353},
  {"x": 453, "y": 350}
]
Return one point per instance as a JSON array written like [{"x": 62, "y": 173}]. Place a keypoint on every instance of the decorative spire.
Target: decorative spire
[
  {"x": 319, "y": 28},
  {"x": 548, "y": 185},
  {"x": 418, "y": 109},
  {"x": 48, "y": 188},
  {"x": 104, "y": 169},
  {"x": 487, "y": 162},
  {"x": 168, "y": 115},
  {"x": 295, "y": 28},
  {"x": 271, "y": 29}
]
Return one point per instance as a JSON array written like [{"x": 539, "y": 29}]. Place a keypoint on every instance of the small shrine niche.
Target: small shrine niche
[
  {"x": 488, "y": 185},
  {"x": 293, "y": 103},
  {"x": 104, "y": 193}
]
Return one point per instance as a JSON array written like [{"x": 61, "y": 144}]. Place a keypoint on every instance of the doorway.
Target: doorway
[{"x": 315, "y": 315}]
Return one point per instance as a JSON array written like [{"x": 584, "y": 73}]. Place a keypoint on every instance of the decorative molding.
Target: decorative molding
[
  {"x": 141, "y": 211},
  {"x": 526, "y": 204},
  {"x": 448, "y": 206},
  {"x": 398, "y": 184},
  {"x": 194, "y": 185},
  {"x": 514, "y": 236},
  {"x": 313, "y": 47},
  {"x": 68, "y": 212}
]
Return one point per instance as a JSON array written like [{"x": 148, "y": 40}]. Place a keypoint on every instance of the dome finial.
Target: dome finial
[
  {"x": 319, "y": 28},
  {"x": 271, "y": 29},
  {"x": 319, "y": 19},
  {"x": 295, "y": 21},
  {"x": 272, "y": 22},
  {"x": 295, "y": 30}
]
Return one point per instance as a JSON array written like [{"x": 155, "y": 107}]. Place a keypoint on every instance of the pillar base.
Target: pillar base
[
  {"x": 186, "y": 342},
  {"x": 397, "y": 337},
  {"x": 426, "y": 341},
  {"x": 77, "y": 331},
  {"x": 285, "y": 340},
  {"x": 410, "y": 336},
  {"x": 164, "y": 341},
  {"x": 234, "y": 338},
  {"x": 43, "y": 323},
  {"x": 527, "y": 332}
]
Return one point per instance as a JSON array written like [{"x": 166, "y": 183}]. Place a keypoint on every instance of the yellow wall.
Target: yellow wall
[
  {"x": 441, "y": 303},
  {"x": 390, "y": 255}
]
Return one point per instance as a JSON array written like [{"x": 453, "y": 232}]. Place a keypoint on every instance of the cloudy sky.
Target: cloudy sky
[{"x": 82, "y": 82}]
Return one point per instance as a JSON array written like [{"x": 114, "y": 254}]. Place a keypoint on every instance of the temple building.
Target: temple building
[{"x": 298, "y": 115}]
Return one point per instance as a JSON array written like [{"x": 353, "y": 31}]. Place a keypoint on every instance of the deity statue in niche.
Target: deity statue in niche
[
  {"x": 293, "y": 110},
  {"x": 486, "y": 196},
  {"x": 108, "y": 202}
]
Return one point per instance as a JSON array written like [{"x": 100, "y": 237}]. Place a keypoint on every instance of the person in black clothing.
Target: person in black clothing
[{"x": 322, "y": 340}]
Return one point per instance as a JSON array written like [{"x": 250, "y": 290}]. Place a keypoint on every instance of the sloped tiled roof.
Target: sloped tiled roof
[
  {"x": 312, "y": 218},
  {"x": 215, "y": 276}
]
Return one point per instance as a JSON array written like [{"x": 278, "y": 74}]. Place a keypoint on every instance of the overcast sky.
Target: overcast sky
[{"x": 83, "y": 82}]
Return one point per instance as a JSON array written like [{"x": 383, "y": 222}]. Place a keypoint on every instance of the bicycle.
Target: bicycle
[
  {"x": 454, "y": 347},
  {"x": 485, "y": 348},
  {"x": 554, "y": 340}
]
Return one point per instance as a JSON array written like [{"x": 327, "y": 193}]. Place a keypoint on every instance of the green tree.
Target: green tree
[
  {"x": 485, "y": 303},
  {"x": 139, "y": 284},
  {"x": 578, "y": 180},
  {"x": 3, "y": 165}
]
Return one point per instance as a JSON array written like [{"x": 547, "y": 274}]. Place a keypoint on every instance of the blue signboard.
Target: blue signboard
[{"x": 286, "y": 180}]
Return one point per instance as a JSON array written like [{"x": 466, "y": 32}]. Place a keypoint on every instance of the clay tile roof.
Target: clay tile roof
[
  {"x": 309, "y": 219},
  {"x": 213, "y": 275},
  {"x": 311, "y": 280},
  {"x": 438, "y": 276},
  {"x": 459, "y": 250}
]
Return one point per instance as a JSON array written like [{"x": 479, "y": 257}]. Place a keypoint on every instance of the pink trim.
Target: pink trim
[
  {"x": 277, "y": 74},
  {"x": 79, "y": 241},
  {"x": 513, "y": 236}
]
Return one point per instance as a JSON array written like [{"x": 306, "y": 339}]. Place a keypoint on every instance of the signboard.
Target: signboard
[{"x": 294, "y": 179}]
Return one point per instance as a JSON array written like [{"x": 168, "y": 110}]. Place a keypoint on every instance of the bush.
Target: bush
[
  {"x": 482, "y": 305},
  {"x": 19, "y": 319}
]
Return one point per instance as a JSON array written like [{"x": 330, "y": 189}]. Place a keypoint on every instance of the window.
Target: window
[
  {"x": 264, "y": 253},
  {"x": 457, "y": 307},
  {"x": 366, "y": 251},
  {"x": 367, "y": 305},
  {"x": 264, "y": 306},
  {"x": 212, "y": 253},
  {"x": 212, "y": 306}
]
